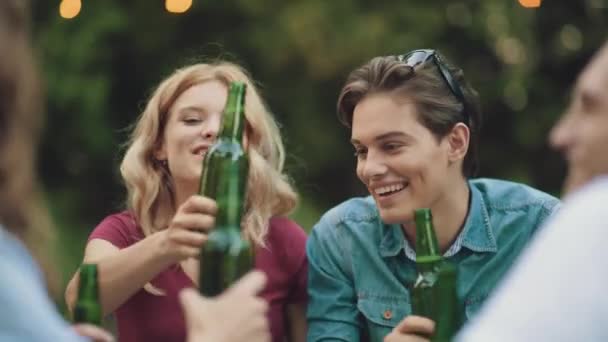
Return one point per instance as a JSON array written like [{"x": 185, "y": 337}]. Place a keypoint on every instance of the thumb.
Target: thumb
[
  {"x": 250, "y": 284},
  {"x": 190, "y": 301},
  {"x": 416, "y": 325}
]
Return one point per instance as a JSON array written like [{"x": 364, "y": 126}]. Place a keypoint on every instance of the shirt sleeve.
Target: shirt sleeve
[
  {"x": 27, "y": 312},
  {"x": 332, "y": 312},
  {"x": 556, "y": 291},
  {"x": 118, "y": 229}
]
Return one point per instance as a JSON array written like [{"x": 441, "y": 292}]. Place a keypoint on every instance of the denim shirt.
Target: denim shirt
[{"x": 361, "y": 270}]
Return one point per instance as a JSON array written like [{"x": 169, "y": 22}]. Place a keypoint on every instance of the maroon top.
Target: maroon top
[{"x": 149, "y": 317}]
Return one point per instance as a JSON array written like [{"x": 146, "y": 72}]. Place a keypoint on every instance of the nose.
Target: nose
[
  {"x": 561, "y": 135},
  {"x": 212, "y": 127},
  {"x": 373, "y": 166}
]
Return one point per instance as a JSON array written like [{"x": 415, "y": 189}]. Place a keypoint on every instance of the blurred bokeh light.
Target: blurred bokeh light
[
  {"x": 178, "y": 6},
  {"x": 69, "y": 9}
]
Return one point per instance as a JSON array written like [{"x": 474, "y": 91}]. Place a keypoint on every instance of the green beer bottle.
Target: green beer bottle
[
  {"x": 448, "y": 315},
  {"x": 88, "y": 307},
  {"x": 226, "y": 256},
  {"x": 434, "y": 292}
]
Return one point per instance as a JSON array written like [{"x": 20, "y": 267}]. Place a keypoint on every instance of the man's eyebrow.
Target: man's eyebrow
[
  {"x": 394, "y": 134},
  {"x": 387, "y": 135}
]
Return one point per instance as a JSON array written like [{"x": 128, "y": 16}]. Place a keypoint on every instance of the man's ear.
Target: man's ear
[{"x": 458, "y": 142}]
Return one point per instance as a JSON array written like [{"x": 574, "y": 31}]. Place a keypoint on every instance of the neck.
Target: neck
[{"x": 449, "y": 214}]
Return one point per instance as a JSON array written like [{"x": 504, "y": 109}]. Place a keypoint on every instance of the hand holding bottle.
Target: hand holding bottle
[
  {"x": 188, "y": 229},
  {"x": 412, "y": 329},
  {"x": 235, "y": 315}
]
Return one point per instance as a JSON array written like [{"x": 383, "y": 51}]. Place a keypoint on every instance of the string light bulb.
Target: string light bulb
[
  {"x": 178, "y": 6},
  {"x": 530, "y": 3},
  {"x": 69, "y": 9}
]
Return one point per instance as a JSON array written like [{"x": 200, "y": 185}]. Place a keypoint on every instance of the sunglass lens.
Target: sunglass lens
[{"x": 416, "y": 57}]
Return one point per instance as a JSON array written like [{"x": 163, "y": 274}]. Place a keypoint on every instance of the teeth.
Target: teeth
[{"x": 389, "y": 188}]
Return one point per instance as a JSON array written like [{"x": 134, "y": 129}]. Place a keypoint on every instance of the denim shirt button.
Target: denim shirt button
[{"x": 388, "y": 314}]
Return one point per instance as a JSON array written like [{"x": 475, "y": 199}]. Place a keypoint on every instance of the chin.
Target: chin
[{"x": 395, "y": 215}]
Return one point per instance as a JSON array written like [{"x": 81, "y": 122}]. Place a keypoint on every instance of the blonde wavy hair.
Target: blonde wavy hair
[{"x": 151, "y": 192}]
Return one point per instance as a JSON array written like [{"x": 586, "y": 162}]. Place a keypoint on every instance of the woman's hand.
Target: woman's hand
[
  {"x": 236, "y": 315},
  {"x": 188, "y": 229}
]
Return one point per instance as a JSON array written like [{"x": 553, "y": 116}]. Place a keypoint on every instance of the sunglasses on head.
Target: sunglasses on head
[{"x": 416, "y": 57}]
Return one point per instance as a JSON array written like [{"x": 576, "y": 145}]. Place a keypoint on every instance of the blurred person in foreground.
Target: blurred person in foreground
[
  {"x": 415, "y": 126},
  {"x": 28, "y": 313},
  {"x": 149, "y": 252},
  {"x": 557, "y": 290}
]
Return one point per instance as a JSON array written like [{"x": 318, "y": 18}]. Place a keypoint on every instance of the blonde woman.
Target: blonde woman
[{"x": 148, "y": 253}]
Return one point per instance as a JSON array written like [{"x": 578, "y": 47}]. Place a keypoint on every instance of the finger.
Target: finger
[
  {"x": 199, "y": 204},
  {"x": 189, "y": 300},
  {"x": 194, "y": 307},
  {"x": 262, "y": 333},
  {"x": 189, "y": 252},
  {"x": 255, "y": 326},
  {"x": 188, "y": 238},
  {"x": 416, "y": 325},
  {"x": 250, "y": 284},
  {"x": 398, "y": 337},
  {"x": 263, "y": 324},
  {"x": 93, "y": 332},
  {"x": 193, "y": 221},
  {"x": 258, "y": 305},
  {"x": 263, "y": 337}
]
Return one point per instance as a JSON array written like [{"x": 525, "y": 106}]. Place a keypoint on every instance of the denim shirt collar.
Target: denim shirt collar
[{"x": 476, "y": 235}]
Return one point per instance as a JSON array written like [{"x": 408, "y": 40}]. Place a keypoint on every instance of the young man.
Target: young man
[
  {"x": 415, "y": 127},
  {"x": 557, "y": 291}
]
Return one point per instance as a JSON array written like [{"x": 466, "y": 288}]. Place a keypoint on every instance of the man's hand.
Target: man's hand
[
  {"x": 234, "y": 316},
  {"x": 412, "y": 329}
]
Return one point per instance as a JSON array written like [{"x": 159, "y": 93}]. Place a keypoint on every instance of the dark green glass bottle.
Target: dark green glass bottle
[
  {"x": 226, "y": 256},
  {"x": 428, "y": 262},
  {"x": 448, "y": 315},
  {"x": 88, "y": 307},
  {"x": 434, "y": 292}
]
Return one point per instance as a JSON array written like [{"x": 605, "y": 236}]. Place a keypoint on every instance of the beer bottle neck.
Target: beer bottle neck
[
  {"x": 427, "y": 248},
  {"x": 233, "y": 121}
]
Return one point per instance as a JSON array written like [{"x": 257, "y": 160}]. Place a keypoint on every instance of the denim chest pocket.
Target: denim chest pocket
[{"x": 382, "y": 314}]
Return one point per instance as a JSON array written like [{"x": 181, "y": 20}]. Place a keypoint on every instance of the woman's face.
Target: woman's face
[{"x": 192, "y": 127}]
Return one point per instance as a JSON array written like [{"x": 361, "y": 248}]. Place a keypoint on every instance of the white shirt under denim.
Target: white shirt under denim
[
  {"x": 26, "y": 311},
  {"x": 558, "y": 290}
]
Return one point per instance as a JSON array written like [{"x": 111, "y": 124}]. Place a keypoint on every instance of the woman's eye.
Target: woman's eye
[{"x": 192, "y": 121}]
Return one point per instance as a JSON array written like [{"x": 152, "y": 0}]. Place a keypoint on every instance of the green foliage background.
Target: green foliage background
[{"x": 100, "y": 67}]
